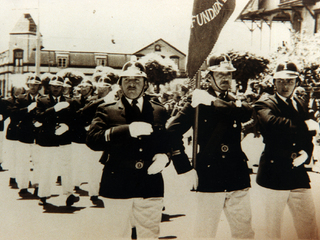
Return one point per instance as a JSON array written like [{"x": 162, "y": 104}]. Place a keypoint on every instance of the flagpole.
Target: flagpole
[{"x": 196, "y": 125}]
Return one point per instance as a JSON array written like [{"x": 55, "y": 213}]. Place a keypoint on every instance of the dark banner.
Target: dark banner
[{"x": 208, "y": 18}]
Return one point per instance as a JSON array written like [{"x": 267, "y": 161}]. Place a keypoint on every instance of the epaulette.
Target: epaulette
[
  {"x": 107, "y": 104},
  {"x": 156, "y": 103}
]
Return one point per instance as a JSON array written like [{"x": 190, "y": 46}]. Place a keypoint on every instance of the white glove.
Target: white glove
[
  {"x": 111, "y": 96},
  {"x": 301, "y": 159},
  {"x": 1, "y": 117},
  {"x": 37, "y": 124},
  {"x": 201, "y": 97},
  {"x": 312, "y": 125},
  {"x": 61, "y": 105},
  {"x": 62, "y": 128},
  {"x": 32, "y": 106},
  {"x": 238, "y": 103},
  {"x": 191, "y": 179},
  {"x": 160, "y": 161},
  {"x": 140, "y": 128}
]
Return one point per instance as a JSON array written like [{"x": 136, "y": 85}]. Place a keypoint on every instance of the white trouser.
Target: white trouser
[
  {"x": 95, "y": 173},
  {"x": 45, "y": 157},
  {"x": 1, "y": 146},
  {"x": 63, "y": 162},
  {"x": 23, "y": 164},
  {"x": 9, "y": 152},
  {"x": 302, "y": 208},
  {"x": 87, "y": 167},
  {"x": 120, "y": 215},
  {"x": 236, "y": 206}
]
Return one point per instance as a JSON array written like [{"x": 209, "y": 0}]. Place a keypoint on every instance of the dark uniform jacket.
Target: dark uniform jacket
[
  {"x": 285, "y": 134},
  {"x": 221, "y": 164},
  {"x": 26, "y": 131},
  {"x": 123, "y": 174},
  {"x": 51, "y": 121},
  {"x": 12, "y": 130},
  {"x": 4, "y": 111},
  {"x": 81, "y": 120}
]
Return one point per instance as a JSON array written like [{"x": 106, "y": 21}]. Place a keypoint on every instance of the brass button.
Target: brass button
[
  {"x": 271, "y": 161},
  {"x": 208, "y": 165},
  {"x": 224, "y": 148},
  {"x": 294, "y": 155},
  {"x": 223, "y": 156},
  {"x": 139, "y": 165},
  {"x": 140, "y": 149}
]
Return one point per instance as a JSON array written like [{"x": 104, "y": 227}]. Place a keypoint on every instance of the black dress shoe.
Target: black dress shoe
[
  {"x": 25, "y": 194},
  {"x": 71, "y": 200},
  {"x": 13, "y": 184},
  {"x": 97, "y": 201},
  {"x": 42, "y": 201}
]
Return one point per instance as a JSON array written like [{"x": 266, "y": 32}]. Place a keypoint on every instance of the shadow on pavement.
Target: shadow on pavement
[
  {"x": 167, "y": 217},
  {"x": 50, "y": 208}
]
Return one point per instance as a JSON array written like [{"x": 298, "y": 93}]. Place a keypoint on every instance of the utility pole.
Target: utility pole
[{"x": 38, "y": 53}]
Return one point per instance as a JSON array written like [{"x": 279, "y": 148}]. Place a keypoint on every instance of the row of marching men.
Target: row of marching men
[{"x": 49, "y": 131}]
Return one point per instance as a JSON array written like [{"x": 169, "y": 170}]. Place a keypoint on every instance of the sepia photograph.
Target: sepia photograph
[{"x": 159, "y": 119}]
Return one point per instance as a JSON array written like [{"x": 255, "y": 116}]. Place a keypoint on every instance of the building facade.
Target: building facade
[{"x": 20, "y": 58}]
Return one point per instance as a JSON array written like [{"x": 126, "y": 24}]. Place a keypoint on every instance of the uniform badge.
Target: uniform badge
[{"x": 139, "y": 165}]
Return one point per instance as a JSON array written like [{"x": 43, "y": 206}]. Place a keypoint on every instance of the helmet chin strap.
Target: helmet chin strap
[{"x": 215, "y": 86}]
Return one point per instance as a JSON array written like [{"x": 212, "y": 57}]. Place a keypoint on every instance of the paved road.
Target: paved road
[{"x": 25, "y": 219}]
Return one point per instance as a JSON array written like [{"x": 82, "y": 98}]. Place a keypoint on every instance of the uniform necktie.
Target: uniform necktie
[
  {"x": 289, "y": 101},
  {"x": 135, "y": 108},
  {"x": 221, "y": 95}
]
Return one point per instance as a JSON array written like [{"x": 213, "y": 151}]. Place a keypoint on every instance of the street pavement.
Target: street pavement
[{"x": 25, "y": 219}]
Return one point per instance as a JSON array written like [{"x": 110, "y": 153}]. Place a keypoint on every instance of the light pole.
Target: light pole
[{"x": 38, "y": 53}]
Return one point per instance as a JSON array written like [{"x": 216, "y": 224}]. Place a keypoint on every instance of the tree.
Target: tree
[
  {"x": 248, "y": 66},
  {"x": 160, "y": 70}
]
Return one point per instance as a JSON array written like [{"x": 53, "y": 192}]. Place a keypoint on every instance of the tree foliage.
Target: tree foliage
[
  {"x": 249, "y": 66},
  {"x": 160, "y": 70}
]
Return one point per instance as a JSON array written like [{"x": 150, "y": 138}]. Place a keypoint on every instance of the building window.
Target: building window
[
  {"x": 175, "y": 59},
  {"x": 317, "y": 25},
  {"x": 101, "y": 62},
  {"x": 18, "y": 60},
  {"x": 157, "y": 48},
  {"x": 62, "y": 62}
]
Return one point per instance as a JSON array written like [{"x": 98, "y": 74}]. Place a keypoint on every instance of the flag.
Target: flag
[{"x": 208, "y": 18}]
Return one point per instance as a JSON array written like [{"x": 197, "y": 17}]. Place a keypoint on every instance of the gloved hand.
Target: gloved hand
[
  {"x": 201, "y": 97},
  {"x": 32, "y": 106},
  {"x": 140, "y": 128},
  {"x": 61, "y": 105},
  {"x": 62, "y": 128},
  {"x": 111, "y": 96},
  {"x": 312, "y": 125},
  {"x": 301, "y": 159},
  {"x": 160, "y": 161},
  {"x": 37, "y": 124},
  {"x": 191, "y": 179}
]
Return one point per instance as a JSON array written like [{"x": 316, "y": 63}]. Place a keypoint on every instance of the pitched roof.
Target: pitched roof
[
  {"x": 25, "y": 25},
  {"x": 160, "y": 39}
]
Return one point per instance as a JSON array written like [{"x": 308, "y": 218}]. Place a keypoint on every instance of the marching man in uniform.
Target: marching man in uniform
[
  {"x": 131, "y": 132},
  {"x": 284, "y": 125},
  {"x": 221, "y": 165}
]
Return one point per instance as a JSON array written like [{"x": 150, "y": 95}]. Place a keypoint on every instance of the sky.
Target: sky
[{"x": 90, "y": 25}]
